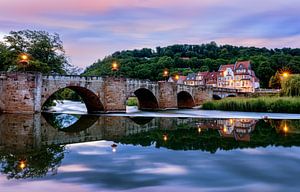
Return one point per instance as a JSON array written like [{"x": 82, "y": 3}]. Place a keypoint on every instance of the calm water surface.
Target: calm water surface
[{"x": 65, "y": 152}]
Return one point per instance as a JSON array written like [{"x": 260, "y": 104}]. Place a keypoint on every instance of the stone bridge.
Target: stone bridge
[{"x": 27, "y": 92}]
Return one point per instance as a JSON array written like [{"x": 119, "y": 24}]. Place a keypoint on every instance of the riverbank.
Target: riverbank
[{"x": 260, "y": 104}]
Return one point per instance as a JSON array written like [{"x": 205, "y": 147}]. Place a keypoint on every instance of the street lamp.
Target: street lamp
[
  {"x": 166, "y": 73},
  {"x": 285, "y": 74},
  {"x": 23, "y": 60},
  {"x": 114, "y": 66}
]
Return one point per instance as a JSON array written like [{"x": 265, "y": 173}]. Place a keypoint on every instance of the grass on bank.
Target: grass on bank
[{"x": 260, "y": 104}]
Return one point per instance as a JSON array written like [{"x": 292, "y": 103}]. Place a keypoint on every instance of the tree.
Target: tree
[
  {"x": 46, "y": 51},
  {"x": 275, "y": 81},
  {"x": 204, "y": 68},
  {"x": 291, "y": 86},
  {"x": 264, "y": 73}
]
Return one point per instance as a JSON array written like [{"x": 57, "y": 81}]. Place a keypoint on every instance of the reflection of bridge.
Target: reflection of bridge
[
  {"x": 27, "y": 92},
  {"x": 25, "y": 132}
]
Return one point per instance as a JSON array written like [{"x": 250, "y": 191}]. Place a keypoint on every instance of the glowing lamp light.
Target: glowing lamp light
[
  {"x": 24, "y": 57},
  {"x": 22, "y": 164},
  {"x": 199, "y": 130},
  {"x": 285, "y": 74},
  {"x": 165, "y": 73},
  {"x": 114, "y": 66},
  {"x": 285, "y": 129},
  {"x": 225, "y": 129},
  {"x": 176, "y": 77},
  {"x": 165, "y": 137}
]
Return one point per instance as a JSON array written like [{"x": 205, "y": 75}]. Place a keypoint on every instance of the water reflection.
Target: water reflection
[{"x": 34, "y": 145}]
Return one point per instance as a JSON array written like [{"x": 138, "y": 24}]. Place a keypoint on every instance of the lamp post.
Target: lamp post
[
  {"x": 166, "y": 74},
  {"x": 176, "y": 77},
  {"x": 23, "y": 60},
  {"x": 115, "y": 67}
]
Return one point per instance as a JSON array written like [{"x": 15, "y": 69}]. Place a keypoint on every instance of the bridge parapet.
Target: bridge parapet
[
  {"x": 221, "y": 89},
  {"x": 72, "y": 77}
]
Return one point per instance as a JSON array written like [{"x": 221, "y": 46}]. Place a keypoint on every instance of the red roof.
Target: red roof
[
  {"x": 242, "y": 64},
  {"x": 212, "y": 78},
  {"x": 203, "y": 73},
  {"x": 224, "y": 67}
]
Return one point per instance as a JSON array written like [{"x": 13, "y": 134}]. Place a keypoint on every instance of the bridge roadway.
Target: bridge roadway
[{"x": 27, "y": 92}]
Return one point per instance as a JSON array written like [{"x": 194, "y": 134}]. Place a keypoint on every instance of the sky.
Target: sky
[{"x": 93, "y": 29}]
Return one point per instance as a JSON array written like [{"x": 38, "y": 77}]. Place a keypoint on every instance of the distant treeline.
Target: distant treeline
[{"x": 149, "y": 64}]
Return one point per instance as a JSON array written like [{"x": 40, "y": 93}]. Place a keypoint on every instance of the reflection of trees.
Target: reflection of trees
[
  {"x": 77, "y": 122},
  {"x": 188, "y": 138},
  {"x": 36, "y": 163}
]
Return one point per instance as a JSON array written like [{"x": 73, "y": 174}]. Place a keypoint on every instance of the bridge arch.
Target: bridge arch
[
  {"x": 216, "y": 97},
  {"x": 90, "y": 99},
  {"x": 231, "y": 95},
  {"x": 147, "y": 100},
  {"x": 185, "y": 100}
]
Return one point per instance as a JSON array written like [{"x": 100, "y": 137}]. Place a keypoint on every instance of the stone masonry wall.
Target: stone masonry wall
[
  {"x": 114, "y": 94},
  {"x": 167, "y": 95},
  {"x": 19, "y": 92}
]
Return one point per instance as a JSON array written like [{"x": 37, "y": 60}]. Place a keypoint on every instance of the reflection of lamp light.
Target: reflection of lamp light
[
  {"x": 285, "y": 128},
  {"x": 199, "y": 130},
  {"x": 165, "y": 137},
  {"x": 22, "y": 164},
  {"x": 24, "y": 57},
  {"x": 114, "y": 147}
]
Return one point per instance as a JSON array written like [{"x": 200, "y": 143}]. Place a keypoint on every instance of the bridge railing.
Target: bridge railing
[
  {"x": 222, "y": 89},
  {"x": 71, "y": 77},
  {"x": 146, "y": 81},
  {"x": 267, "y": 90}
]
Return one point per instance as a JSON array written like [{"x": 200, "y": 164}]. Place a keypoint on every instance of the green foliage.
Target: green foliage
[
  {"x": 291, "y": 86},
  {"x": 275, "y": 81},
  {"x": 63, "y": 94},
  {"x": 260, "y": 104},
  {"x": 46, "y": 52},
  {"x": 182, "y": 59},
  {"x": 38, "y": 162},
  {"x": 132, "y": 101}
]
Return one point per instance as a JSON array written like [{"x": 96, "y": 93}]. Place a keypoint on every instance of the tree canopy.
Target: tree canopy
[
  {"x": 148, "y": 63},
  {"x": 45, "y": 51}
]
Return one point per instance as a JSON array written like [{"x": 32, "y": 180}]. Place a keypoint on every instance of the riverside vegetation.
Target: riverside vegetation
[{"x": 287, "y": 102}]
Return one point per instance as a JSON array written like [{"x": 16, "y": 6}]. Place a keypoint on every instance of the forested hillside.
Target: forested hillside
[{"x": 149, "y": 64}]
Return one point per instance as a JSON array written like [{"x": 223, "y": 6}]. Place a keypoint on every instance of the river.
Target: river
[{"x": 177, "y": 150}]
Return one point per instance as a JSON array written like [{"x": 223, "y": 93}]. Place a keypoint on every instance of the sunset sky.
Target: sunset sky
[{"x": 92, "y": 29}]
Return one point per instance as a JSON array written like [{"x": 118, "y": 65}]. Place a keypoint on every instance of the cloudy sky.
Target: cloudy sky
[{"x": 92, "y": 29}]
